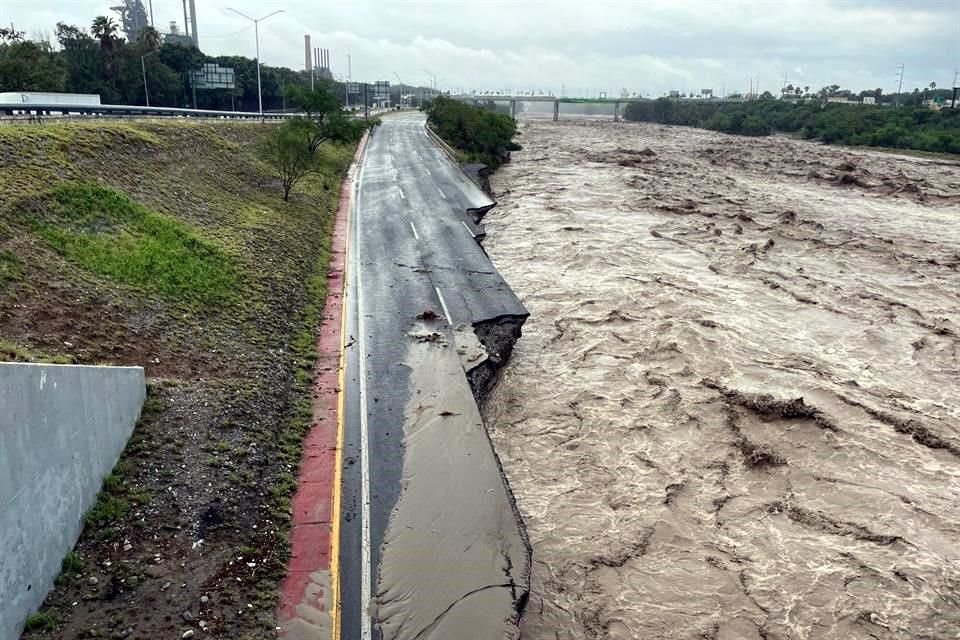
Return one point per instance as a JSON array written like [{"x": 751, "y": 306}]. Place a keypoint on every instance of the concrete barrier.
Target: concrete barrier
[{"x": 62, "y": 429}]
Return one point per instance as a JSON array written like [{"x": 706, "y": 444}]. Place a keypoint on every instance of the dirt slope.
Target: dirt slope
[
  {"x": 168, "y": 245},
  {"x": 733, "y": 412}
]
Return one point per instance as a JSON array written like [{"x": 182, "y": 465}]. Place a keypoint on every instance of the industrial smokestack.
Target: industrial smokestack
[
  {"x": 193, "y": 24},
  {"x": 307, "y": 58}
]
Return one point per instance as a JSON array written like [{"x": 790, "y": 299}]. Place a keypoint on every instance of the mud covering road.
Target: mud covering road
[
  {"x": 734, "y": 411},
  {"x": 431, "y": 546}
]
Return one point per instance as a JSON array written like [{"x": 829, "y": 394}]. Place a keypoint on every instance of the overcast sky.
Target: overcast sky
[{"x": 582, "y": 45}]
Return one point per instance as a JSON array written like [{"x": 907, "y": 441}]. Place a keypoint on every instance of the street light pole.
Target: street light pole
[
  {"x": 401, "y": 88},
  {"x": 256, "y": 31},
  {"x": 434, "y": 85},
  {"x": 143, "y": 67}
]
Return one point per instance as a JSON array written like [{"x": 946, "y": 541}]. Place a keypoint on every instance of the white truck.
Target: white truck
[{"x": 49, "y": 98}]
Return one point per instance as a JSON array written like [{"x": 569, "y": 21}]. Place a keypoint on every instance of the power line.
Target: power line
[{"x": 230, "y": 35}]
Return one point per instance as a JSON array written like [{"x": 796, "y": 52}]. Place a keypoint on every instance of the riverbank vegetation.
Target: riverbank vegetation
[
  {"x": 482, "y": 135},
  {"x": 918, "y": 128}
]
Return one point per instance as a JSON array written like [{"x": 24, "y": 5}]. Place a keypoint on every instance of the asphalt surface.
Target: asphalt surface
[{"x": 412, "y": 249}]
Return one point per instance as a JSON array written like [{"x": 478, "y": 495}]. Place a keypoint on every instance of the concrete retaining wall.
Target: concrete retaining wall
[{"x": 62, "y": 429}]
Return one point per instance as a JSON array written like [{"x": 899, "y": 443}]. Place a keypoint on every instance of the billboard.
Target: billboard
[{"x": 212, "y": 76}]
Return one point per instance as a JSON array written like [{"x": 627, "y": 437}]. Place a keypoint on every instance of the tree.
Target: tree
[
  {"x": 84, "y": 61},
  {"x": 933, "y": 85},
  {"x": 287, "y": 151},
  {"x": 149, "y": 38},
  {"x": 104, "y": 29},
  {"x": 30, "y": 66},
  {"x": 10, "y": 35},
  {"x": 324, "y": 119}
]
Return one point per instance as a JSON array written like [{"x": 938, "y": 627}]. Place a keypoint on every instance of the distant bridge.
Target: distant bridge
[{"x": 558, "y": 100}]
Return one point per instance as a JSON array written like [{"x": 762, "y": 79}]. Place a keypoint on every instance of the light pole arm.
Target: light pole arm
[
  {"x": 240, "y": 13},
  {"x": 256, "y": 31}
]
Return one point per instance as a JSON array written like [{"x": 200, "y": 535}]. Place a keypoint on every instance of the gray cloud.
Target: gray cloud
[{"x": 648, "y": 46}]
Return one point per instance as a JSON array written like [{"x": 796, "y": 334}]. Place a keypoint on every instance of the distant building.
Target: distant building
[
  {"x": 869, "y": 100},
  {"x": 175, "y": 36},
  {"x": 133, "y": 18},
  {"x": 380, "y": 96}
]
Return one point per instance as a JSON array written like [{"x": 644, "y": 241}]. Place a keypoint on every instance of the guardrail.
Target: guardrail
[
  {"x": 34, "y": 111},
  {"x": 37, "y": 112}
]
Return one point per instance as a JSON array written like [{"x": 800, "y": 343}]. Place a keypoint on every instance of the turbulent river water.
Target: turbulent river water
[{"x": 735, "y": 409}]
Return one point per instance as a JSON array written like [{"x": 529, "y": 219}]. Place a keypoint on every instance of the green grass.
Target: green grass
[
  {"x": 116, "y": 212},
  {"x": 11, "y": 352},
  {"x": 40, "y": 621},
  {"x": 116, "y": 496},
  {"x": 11, "y": 269},
  {"x": 107, "y": 510},
  {"x": 108, "y": 233},
  {"x": 72, "y": 564}
]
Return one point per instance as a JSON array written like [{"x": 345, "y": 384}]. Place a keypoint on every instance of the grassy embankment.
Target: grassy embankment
[
  {"x": 915, "y": 128},
  {"x": 168, "y": 245}
]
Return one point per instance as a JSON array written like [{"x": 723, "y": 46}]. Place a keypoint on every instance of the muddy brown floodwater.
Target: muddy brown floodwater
[{"x": 735, "y": 408}]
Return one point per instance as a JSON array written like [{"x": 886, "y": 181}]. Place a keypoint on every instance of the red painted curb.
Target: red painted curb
[{"x": 313, "y": 501}]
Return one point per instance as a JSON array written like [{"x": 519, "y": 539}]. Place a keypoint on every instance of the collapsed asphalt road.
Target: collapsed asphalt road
[{"x": 431, "y": 545}]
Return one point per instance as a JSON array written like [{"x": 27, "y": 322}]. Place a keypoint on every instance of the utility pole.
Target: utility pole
[
  {"x": 899, "y": 84},
  {"x": 433, "y": 84},
  {"x": 256, "y": 30},
  {"x": 143, "y": 67},
  {"x": 401, "y": 88}
]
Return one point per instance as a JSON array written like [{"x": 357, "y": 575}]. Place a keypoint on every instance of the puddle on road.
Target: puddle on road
[{"x": 649, "y": 421}]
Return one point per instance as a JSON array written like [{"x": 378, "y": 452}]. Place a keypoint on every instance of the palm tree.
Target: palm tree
[
  {"x": 104, "y": 29},
  {"x": 149, "y": 38}
]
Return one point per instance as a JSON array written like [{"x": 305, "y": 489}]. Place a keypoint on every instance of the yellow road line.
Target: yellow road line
[{"x": 338, "y": 461}]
